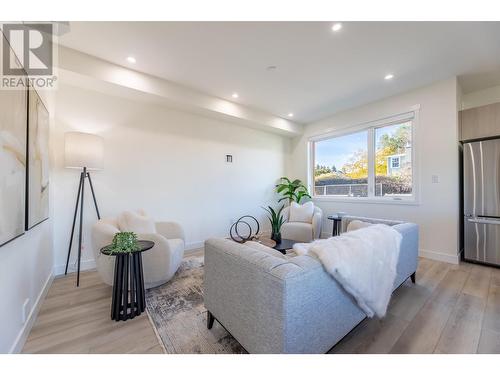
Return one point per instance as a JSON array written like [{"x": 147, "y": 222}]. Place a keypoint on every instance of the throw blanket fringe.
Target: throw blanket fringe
[{"x": 363, "y": 261}]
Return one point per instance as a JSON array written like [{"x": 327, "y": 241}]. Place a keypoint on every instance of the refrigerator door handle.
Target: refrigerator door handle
[{"x": 484, "y": 221}]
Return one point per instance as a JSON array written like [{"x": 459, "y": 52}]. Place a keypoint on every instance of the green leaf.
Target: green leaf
[
  {"x": 276, "y": 218},
  {"x": 290, "y": 189},
  {"x": 280, "y": 188},
  {"x": 281, "y": 209}
]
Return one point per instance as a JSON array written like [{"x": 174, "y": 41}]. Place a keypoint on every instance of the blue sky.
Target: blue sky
[{"x": 337, "y": 151}]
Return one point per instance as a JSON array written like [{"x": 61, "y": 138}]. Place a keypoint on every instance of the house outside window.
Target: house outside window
[
  {"x": 374, "y": 162},
  {"x": 395, "y": 162}
]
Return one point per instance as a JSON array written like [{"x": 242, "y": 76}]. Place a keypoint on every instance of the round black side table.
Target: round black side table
[
  {"x": 129, "y": 298},
  {"x": 337, "y": 221}
]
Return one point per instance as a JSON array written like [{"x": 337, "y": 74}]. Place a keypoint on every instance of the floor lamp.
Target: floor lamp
[{"x": 83, "y": 151}]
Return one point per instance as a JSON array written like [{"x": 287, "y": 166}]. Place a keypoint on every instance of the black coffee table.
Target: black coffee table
[
  {"x": 129, "y": 298},
  {"x": 284, "y": 245}
]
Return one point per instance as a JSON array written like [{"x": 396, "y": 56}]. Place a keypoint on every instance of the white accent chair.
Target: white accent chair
[
  {"x": 159, "y": 263},
  {"x": 302, "y": 231}
]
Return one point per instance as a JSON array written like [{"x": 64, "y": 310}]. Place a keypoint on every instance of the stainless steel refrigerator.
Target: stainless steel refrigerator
[{"x": 481, "y": 180}]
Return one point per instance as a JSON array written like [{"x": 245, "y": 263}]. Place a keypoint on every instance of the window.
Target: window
[
  {"x": 394, "y": 162},
  {"x": 393, "y": 142},
  {"x": 342, "y": 166},
  {"x": 374, "y": 162}
]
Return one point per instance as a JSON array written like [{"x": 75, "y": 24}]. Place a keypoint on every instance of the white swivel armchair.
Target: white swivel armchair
[
  {"x": 306, "y": 230},
  {"x": 159, "y": 263}
]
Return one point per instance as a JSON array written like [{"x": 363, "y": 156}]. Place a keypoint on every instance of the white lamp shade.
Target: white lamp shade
[{"x": 83, "y": 150}]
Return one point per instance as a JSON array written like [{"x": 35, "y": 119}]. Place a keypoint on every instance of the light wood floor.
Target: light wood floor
[
  {"x": 451, "y": 309},
  {"x": 77, "y": 320}
]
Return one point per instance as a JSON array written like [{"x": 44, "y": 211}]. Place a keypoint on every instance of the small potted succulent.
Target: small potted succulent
[
  {"x": 276, "y": 219},
  {"x": 123, "y": 242}
]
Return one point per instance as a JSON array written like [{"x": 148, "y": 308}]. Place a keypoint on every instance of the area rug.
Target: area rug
[{"x": 179, "y": 316}]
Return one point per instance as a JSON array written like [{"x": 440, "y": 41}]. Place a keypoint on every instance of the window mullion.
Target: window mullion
[{"x": 371, "y": 162}]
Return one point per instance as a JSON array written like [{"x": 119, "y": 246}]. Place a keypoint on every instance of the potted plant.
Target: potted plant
[
  {"x": 123, "y": 242},
  {"x": 294, "y": 190},
  {"x": 276, "y": 219}
]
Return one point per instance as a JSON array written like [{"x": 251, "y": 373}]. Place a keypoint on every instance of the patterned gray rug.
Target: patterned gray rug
[{"x": 179, "y": 316}]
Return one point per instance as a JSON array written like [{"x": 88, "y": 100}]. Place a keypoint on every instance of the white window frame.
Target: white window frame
[{"x": 412, "y": 114}]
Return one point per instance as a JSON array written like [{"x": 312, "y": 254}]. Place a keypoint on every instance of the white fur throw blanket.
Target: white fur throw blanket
[{"x": 363, "y": 261}]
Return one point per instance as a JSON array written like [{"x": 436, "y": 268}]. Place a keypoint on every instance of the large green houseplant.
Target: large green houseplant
[
  {"x": 294, "y": 190},
  {"x": 276, "y": 219}
]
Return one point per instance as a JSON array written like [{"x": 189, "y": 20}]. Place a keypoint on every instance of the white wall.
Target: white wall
[
  {"x": 437, "y": 154},
  {"x": 170, "y": 163},
  {"x": 479, "y": 98},
  {"x": 25, "y": 274}
]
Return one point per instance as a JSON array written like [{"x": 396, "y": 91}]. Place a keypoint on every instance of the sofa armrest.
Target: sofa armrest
[
  {"x": 408, "y": 253},
  {"x": 347, "y": 219},
  {"x": 170, "y": 229},
  {"x": 159, "y": 260},
  {"x": 161, "y": 243},
  {"x": 316, "y": 224},
  {"x": 102, "y": 235}
]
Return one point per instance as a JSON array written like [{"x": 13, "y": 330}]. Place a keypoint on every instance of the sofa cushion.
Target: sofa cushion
[
  {"x": 130, "y": 221},
  {"x": 265, "y": 249},
  {"x": 357, "y": 224},
  {"x": 301, "y": 213}
]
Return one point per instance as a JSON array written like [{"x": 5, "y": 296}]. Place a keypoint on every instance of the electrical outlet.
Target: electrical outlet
[{"x": 25, "y": 311}]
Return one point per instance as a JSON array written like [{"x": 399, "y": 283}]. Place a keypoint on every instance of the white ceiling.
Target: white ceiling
[{"x": 318, "y": 72}]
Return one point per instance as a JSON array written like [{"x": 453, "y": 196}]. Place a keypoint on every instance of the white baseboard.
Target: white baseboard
[
  {"x": 21, "y": 338},
  {"x": 442, "y": 257},
  {"x": 84, "y": 266}
]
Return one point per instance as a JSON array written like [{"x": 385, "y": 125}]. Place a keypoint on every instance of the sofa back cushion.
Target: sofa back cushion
[
  {"x": 357, "y": 224},
  {"x": 301, "y": 213},
  {"x": 136, "y": 222}
]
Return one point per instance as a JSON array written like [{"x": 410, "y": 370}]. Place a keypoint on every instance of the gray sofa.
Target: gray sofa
[{"x": 271, "y": 303}]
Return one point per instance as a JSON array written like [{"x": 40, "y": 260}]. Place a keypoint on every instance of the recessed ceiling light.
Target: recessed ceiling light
[
  {"x": 131, "y": 59},
  {"x": 389, "y": 76},
  {"x": 336, "y": 26},
  {"x": 290, "y": 114},
  {"x": 235, "y": 95}
]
